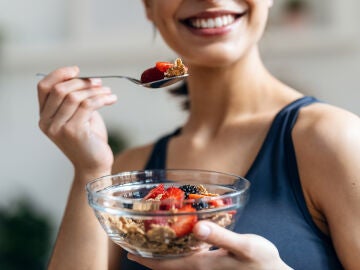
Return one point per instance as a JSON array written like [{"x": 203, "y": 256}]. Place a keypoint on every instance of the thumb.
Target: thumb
[{"x": 240, "y": 245}]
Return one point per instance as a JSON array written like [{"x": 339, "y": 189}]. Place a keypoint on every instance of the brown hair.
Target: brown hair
[{"x": 182, "y": 91}]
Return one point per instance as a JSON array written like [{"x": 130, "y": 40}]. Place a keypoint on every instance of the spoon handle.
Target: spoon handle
[
  {"x": 155, "y": 84},
  {"x": 100, "y": 77}
]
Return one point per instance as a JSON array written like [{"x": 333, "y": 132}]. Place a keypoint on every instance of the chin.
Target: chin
[{"x": 215, "y": 57}]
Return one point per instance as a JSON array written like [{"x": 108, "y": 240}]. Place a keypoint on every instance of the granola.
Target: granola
[
  {"x": 159, "y": 239},
  {"x": 166, "y": 235}
]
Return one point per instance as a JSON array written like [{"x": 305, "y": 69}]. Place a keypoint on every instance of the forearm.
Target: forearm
[{"x": 81, "y": 242}]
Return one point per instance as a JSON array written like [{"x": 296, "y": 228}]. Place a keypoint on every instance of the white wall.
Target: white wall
[
  {"x": 45, "y": 34},
  {"x": 42, "y": 40}
]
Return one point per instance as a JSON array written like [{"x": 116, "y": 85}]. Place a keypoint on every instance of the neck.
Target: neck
[{"x": 222, "y": 95}]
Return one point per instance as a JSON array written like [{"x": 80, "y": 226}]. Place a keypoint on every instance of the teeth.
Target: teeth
[{"x": 213, "y": 22}]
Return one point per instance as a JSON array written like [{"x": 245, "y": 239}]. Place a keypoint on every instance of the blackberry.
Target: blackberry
[
  {"x": 200, "y": 204},
  {"x": 189, "y": 189}
]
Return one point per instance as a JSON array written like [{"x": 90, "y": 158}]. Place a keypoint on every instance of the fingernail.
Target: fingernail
[
  {"x": 203, "y": 231},
  {"x": 111, "y": 98},
  {"x": 106, "y": 89},
  {"x": 95, "y": 81},
  {"x": 75, "y": 69}
]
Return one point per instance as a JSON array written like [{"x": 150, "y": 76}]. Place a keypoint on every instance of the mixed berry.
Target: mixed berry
[
  {"x": 163, "y": 70},
  {"x": 172, "y": 199}
]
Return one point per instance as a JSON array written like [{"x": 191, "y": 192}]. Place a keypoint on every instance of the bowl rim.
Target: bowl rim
[{"x": 98, "y": 195}]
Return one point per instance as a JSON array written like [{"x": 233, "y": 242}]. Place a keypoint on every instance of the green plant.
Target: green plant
[
  {"x": 25, "y": 237},
  {"x": 117, "y": 141}
]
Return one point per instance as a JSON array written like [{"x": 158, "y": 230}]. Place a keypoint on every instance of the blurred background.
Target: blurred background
[{"x": 311, "y": 45}]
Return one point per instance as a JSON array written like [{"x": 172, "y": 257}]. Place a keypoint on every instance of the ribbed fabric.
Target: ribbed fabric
[{"x": 277, "y": 208}]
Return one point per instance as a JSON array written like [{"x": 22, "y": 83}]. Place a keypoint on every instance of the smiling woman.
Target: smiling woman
[{"x": 242, "y": 121}]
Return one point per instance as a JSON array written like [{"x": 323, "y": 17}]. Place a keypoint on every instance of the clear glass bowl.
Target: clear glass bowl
[{"x": 145, "y": 227}]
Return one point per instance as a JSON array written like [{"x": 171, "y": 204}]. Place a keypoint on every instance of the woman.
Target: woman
[{"x": 301, "y": 156}]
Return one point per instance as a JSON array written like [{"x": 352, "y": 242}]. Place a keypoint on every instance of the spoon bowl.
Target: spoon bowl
[{"x": 154, "y": 84}]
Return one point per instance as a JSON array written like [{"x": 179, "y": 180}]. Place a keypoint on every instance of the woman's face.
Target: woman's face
[{"x": 209, "y": 32}]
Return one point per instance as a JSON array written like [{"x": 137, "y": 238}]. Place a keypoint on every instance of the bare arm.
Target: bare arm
[
  {"x": 81, "y": 242},
  {"x": 328, "y": 152},
  {"x": 69, "y": 117}
]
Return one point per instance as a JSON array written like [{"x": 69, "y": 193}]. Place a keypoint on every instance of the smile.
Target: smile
[{"x": 212, "y": 21}]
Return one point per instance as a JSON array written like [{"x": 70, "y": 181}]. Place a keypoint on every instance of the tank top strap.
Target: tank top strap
[
  {"x": 291, "y": 163},
  {"x": 279, "y": 135},
  {"x": 288, "y": 115},
  {"x": 286, "y": 118},
  {"x": 277, "y": 158}
]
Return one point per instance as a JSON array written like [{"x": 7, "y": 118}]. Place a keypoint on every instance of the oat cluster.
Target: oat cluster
[{"x": 178, "y": 69}]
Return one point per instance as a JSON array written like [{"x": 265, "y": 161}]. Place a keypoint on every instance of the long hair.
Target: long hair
[{"x": 182, "y": 91}]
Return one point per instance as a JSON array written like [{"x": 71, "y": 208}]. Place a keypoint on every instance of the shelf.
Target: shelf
[
  {"x": 284, "y": 41},
  {"x": 24, "y": 58}
]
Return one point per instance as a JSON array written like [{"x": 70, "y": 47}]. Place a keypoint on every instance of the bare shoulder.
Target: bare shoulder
[
  {"x": 326, "y": 140},
  {"x": 327, "y": 122},
  {"x": 132, "y": 159},
  {"x": 325, "y": 128},
  {"x": 327, "y": 146}
]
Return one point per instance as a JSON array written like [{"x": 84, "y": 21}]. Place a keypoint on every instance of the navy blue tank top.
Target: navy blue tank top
[{"x": 277, "y": 208}]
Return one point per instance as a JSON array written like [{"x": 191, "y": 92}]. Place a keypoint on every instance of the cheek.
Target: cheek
[
  {"x": 258, "y": 16},
  {"x": 163, "y": 10},
  {"x": 163, "y": 14},
  {"x": 260, "y": 7},
  {"x": 268, "y": 3}
]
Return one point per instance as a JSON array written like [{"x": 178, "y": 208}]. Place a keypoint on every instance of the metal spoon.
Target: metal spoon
[{"x": 155, "y": 84}]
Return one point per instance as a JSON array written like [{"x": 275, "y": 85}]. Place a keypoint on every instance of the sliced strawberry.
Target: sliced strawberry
[
  {"x": 184, "y": 224},
  {"x": 173, "y": 197},
  {"x": 157, "y": 220},
  {"x": 156, "y": 191},
  {"x": 173, "y": 193},
  {"x": 164, "y": 66},
  {"x": 216, "y": 203},
  {"x": 228, "y": 201},
  {"x": 151, "y": 75}
]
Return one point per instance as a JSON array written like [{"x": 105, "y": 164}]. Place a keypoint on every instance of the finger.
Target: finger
[
  {"x": 60, "y": 91},
  {"x": 238, "y": 244},
  {"x": 46, "y": 84},
  {"x": 72, "y": 103},
  {"x": 87, "y": 107}
]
